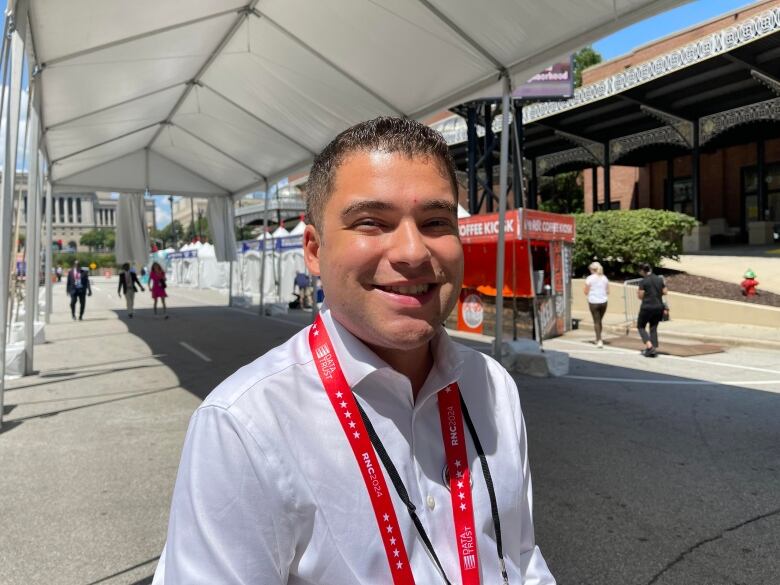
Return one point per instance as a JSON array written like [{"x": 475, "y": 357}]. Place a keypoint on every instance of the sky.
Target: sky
[{"x": 610, "y": 47}]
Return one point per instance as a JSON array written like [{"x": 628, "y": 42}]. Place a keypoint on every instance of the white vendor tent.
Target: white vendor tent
[{"x": 215, "y": 98}]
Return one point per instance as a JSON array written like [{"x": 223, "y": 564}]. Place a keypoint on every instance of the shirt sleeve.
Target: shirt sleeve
[
  {"x": 228, "y": 521},
  {"x": 527, "y": 557}
]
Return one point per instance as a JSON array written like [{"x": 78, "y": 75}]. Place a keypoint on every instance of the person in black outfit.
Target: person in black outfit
[
  {"x": 651, "y": 291},
  {"x": 78, "y": 288}
]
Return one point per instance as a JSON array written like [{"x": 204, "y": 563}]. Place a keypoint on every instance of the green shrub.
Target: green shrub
[
  {"x": 66, "y": 259},
  {"x": 621, "y": 240}
]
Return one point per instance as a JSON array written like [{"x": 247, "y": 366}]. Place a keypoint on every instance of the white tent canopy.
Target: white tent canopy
[{"x": 212, "y": 97}]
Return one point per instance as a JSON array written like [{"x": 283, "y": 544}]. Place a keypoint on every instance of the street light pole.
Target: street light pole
[{"x": 173, "y": 225}]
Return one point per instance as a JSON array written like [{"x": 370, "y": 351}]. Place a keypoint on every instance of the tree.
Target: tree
[
  {"x": 165, "y": 236},
  {"x": 245, "y": 232},
  {"x": 584, "y": 58},
  {"x": 562, "y": 193},
  {"x": 198, "y": 228},
  {"x": 93, "y": 239}
]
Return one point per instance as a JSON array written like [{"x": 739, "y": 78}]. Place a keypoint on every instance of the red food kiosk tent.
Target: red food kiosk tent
[{"x": 538, "y": 252}]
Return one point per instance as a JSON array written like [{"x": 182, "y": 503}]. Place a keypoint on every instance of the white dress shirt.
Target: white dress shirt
[{"x": 269, "y": 492}]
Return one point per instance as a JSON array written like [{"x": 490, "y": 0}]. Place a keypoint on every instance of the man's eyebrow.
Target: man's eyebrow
[
  {"x": 441, "y": 204},
  {"x": 366, "y": 205},
  {"x": 375, "y": 205}
]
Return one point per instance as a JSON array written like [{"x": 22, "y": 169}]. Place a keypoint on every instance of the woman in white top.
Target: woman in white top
[{"x": 597, "y": 291}]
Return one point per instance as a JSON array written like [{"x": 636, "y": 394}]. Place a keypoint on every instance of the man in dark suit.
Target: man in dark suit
[
  {"x": 127, "y": 282},
  {"x": 78, "y": 288}
]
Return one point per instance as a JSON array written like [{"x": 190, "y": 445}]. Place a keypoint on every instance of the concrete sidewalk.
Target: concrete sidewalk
[
  {"x": 625, "y": 451},
  {"x": 683, "y": 330},
  {"x": 731, "y": 268}
]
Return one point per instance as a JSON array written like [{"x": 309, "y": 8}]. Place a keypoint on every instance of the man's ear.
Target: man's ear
[{"x": 311, "y": 249}]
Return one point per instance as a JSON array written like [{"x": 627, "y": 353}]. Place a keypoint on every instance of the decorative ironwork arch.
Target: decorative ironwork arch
[
  {"x": 620, "y": 147},
  {"x": 716, "y": 124},
  {"x": 546, "y": 164}
]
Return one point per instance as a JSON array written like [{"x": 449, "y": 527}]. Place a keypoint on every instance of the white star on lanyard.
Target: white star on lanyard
[
  {"x": 448, "y": 390},
  {"x": 396, "y": 553},
  {"x": 389, "y": 529},
  {"x": 463, "y": 507},
  {"x": 459, "y": 474},
  {"x": 339, "y": 395},
  {"x": 352, "y": 424},
  {"x": 386, "y": 517},
  {"x": 392, "y": 540},
  {"x": 461, "y": 495},
  {"x": 356, "y": 435},
  {"x": 460, "y": 485},
  {"x": 316, "y": 333},
  {"x": 343, "y": 404},
  {"x": 400, "y": 565},
  {"x": 347, "y": 414},
  {"x": 457, "y": 463}
]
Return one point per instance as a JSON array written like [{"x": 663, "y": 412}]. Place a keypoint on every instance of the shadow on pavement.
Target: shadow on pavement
[{"x": 654, "y": 479}]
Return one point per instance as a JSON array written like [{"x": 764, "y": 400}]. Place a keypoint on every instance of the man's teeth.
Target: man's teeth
[{"x": 415, "y": 289}]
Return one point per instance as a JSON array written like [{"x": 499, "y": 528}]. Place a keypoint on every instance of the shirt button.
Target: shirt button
[{"x": 430, "y": 502}]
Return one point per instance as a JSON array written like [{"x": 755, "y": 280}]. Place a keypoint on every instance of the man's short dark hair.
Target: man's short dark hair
[
  {"x": 385, "y": 134},
  {"x": 645, "y": 267}
]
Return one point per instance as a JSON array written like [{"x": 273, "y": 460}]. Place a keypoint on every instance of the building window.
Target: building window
[
  {"x": 70, "y": 209},
  {"x": 750, "y": 192},
  {"x": 62, "y": 209},
  {"x": 682, "y": 196},
  {"x": 78, "y": 210},
  {"x": 613, "y": 205}
]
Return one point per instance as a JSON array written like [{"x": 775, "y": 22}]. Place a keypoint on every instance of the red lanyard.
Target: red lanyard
[{"x": 346, "y": 408}]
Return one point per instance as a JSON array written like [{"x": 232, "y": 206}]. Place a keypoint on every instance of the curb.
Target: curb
[{"x": 728, "y": 341}]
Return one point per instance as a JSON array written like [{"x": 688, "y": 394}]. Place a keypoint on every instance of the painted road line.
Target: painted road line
[
  {"x": 277, "y": 319},
  {"x": 671, "y": 382},
  {"x": 200, "y": 354}
]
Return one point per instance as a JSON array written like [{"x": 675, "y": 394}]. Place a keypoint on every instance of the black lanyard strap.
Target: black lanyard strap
[
  {"x": 489, "y": 484},
  {"x": 400, "y": 489}
]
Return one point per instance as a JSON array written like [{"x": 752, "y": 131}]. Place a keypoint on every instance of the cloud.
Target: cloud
[
  {"x": 162, "y": 211},
  {"x": 22, "y": 161}
]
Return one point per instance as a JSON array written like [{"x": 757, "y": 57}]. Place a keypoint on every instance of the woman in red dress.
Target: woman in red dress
[{"x": 157, "y": 278}]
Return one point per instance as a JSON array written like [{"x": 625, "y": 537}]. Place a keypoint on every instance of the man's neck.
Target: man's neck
[{"x": 415, "y": 364}]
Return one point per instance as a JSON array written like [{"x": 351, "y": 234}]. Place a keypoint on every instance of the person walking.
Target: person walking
[
  {"x": 78, "y": 287},
  {"x": 651, "y": 292},
  {"x": 597, "y": 291},
  {"x": 158, "y": 286},
  {"x": 127, "y": 281}
]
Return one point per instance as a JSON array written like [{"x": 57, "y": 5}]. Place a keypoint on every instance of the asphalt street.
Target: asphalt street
[{"x": 646, "y": 471}]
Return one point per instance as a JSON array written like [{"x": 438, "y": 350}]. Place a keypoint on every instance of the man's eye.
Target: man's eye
[
  {"x": 439, "y": 223},
  {"x": 367, "y": 222}
]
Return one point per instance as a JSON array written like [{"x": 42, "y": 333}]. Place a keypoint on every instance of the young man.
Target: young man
[
  {"x": 78, "y": 287},
  {"x": 369, "y": 448}
]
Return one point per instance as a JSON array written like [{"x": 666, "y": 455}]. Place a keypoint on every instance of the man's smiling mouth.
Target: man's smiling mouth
[{"x": 410, "y": 290}]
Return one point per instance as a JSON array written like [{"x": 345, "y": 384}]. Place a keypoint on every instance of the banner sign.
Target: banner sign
[
  {"x": 271, "y": 245},
  {"x": 182, "y": 255},
  {"x": 541, "y": 225},
  {"x": 483, "y": 229},
  {"x": 556, "y": 82},
  {"x": 518, "y": 224}
]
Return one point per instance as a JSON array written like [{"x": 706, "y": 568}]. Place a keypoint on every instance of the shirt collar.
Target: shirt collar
[{"x": 358, "y": 361}]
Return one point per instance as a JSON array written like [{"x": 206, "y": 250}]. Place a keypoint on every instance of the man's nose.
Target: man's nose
[{"x": 408, "y": 245}]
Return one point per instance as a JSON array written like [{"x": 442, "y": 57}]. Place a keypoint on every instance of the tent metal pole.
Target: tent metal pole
[
  {"x": 262, "y": 256},
  {"x": 32, "y": 255},
  {"x": 230, "y": 267},
  {"x": 500, "y": 252},
  {"x": 48, "y": 256},
  {"x": 8, "y": 180}
]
